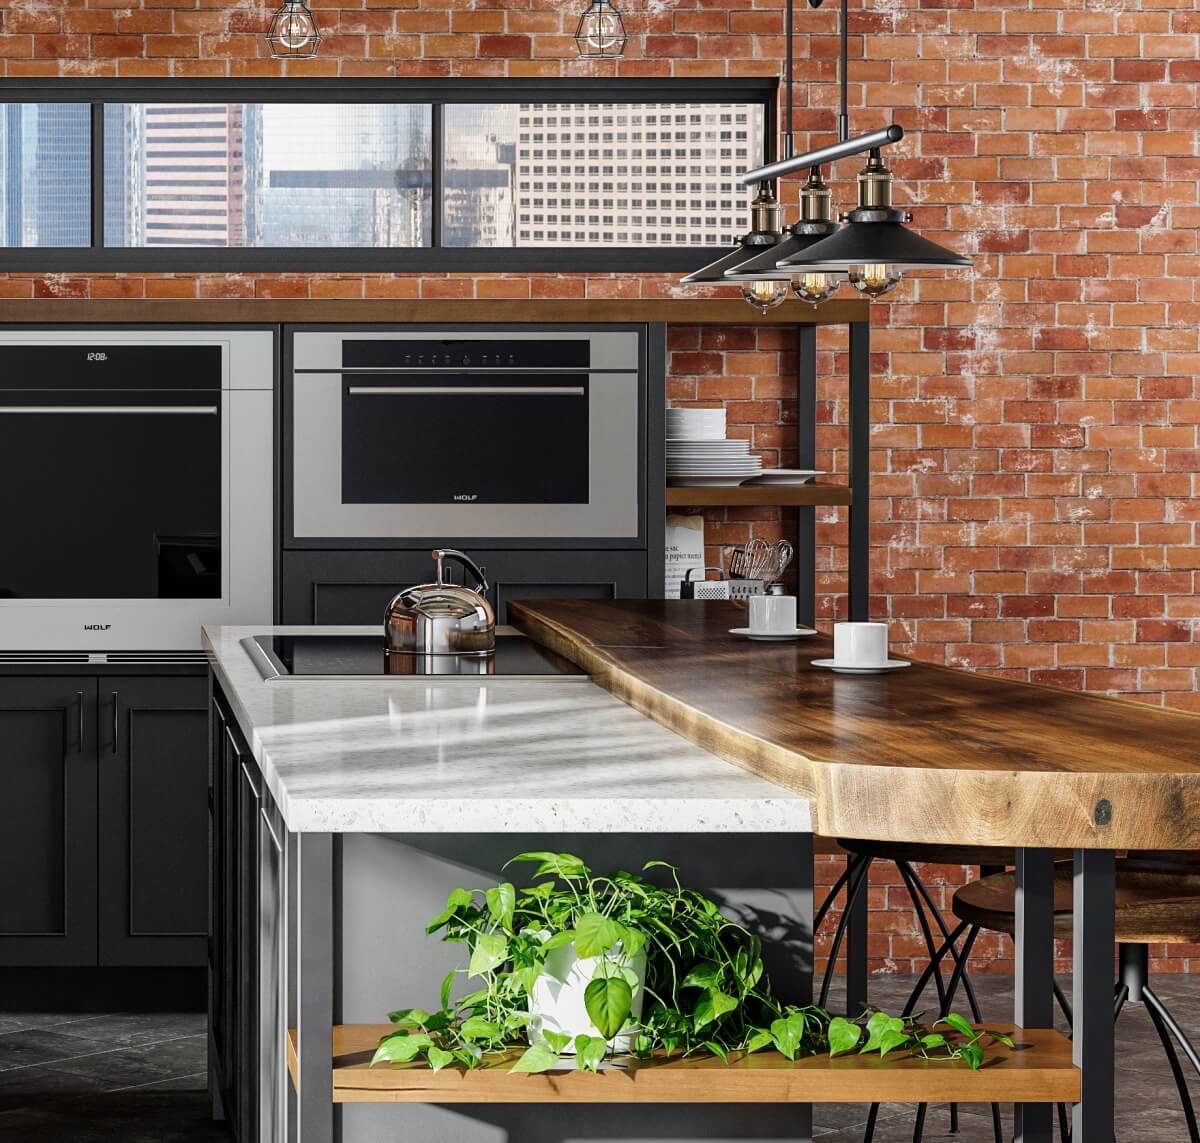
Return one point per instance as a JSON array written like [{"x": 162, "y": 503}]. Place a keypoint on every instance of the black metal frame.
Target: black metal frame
[{"x": 426, "y": 259}]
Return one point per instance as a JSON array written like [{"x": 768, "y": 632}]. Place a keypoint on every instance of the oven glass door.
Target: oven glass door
[
  {"x": 482, "y": 438},
  {"x": 110, "y": 493}
]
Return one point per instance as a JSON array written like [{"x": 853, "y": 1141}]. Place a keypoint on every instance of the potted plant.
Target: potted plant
[{"x": 585, "y": 966}]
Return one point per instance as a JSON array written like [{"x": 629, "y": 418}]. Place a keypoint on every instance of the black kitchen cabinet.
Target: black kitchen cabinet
[
  {"x": 103, "y": 833},
  {"x": 153, "y": 791},
  {"x": 48, "y": 821}
]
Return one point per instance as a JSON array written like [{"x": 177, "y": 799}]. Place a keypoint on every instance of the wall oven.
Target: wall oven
[
  {"x": 138, "y": 486},
  {"x": 397, "y": 437}
]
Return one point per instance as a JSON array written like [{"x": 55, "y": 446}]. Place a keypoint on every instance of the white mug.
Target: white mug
[
  {"x": 860, "y": 644},
  {"x": 772, "y": 614}
]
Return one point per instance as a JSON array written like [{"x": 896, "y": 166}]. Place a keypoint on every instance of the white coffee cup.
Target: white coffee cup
[
  {"x": 860, "y": 644},
  {"x": 772, "y": 614}
]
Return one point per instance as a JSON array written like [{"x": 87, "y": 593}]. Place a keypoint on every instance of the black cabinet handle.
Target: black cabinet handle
[
  {"x": 116, "y": 723},
  {"x": 79, "y": 700}
]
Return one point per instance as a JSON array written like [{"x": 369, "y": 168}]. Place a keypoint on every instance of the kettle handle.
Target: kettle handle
[{"x": 441, "y": 554}]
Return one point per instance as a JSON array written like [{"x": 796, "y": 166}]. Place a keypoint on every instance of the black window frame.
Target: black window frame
[{"x": 439, "y": 93}]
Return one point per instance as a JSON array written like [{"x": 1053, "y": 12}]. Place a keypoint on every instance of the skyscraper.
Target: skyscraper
[{"x": 62, "y": 172}]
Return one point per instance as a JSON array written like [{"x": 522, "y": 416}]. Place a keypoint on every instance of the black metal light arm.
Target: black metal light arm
[{"x": 872, "y": 141}]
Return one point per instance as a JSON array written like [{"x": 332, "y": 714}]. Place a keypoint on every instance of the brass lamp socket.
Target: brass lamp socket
[
  {"x": 765, "y": 217},
  {"x": 875, "y": 194}
]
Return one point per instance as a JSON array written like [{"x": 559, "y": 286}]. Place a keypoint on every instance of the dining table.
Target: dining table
[{"x": 927, "y": 755}]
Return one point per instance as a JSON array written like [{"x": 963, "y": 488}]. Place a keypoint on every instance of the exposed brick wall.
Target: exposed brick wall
[{"x": 1037, "y": 467}]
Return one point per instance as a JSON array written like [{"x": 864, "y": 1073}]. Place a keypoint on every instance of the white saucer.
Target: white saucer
[
  {"x": 847, "y": 669},
  {"x": 771, "y": 636}
]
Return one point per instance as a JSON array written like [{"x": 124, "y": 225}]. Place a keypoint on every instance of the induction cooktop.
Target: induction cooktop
[{"x": 322, "y": 656}]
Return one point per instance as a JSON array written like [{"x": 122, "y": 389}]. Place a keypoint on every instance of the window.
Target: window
[
  {"x": 360, "y": 175},
  {"x": 45, "y": 164}
]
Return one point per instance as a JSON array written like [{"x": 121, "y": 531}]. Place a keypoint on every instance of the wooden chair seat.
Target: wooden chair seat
[
  {"x": 1159, "y": 904},
  {"x": 916, "y": 852}
]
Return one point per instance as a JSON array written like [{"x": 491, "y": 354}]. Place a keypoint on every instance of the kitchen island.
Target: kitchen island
[{"x": 345, "y": 809}]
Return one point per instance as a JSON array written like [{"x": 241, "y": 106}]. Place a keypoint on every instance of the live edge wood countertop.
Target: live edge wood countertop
[{"x": 926, "y": 753}]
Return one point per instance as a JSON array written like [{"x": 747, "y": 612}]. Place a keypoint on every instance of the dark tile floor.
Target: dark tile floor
[{"x": 140, "y": 1079}]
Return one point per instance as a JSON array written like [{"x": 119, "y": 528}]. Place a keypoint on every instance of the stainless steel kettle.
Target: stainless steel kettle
[{"x": 442, "y": 618}]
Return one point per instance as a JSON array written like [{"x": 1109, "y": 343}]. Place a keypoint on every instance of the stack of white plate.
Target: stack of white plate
[
  {"x": 712, "y": 463},
  {"x": 695, "y": 424}
]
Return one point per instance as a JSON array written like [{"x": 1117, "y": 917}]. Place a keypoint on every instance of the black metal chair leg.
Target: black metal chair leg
[
  {"x": 852, "y": 865},
  {"x": 1152, "y": 1002},
  {"x": 1064, "y": 1004},
  {"x": 919, "y": 1127},
  {"x": 854, "y": 887},
  {"x": 1153, "y": 1011},
  {"x": 872, "y": 1115},
  {"x": 945, "y": 931},
  {"x": 1064, "y": 1123},
  {"x": 909, "y": 875},
  {"x": 1119, "y": 1001}
]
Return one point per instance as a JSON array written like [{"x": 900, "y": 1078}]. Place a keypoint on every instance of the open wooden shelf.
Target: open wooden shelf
[
  {"x": 760, "y": 495},
  {"x": 1039, "y": 1070}
]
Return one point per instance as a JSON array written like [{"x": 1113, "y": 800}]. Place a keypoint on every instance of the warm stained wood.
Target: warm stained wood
[
  {"x": 926, "y": 754},
  {"x": 1040, "y": 1071},
  {"x": 1153, "y": 906},
  {"x": 759, "y": 495},
  {"x": 416, "y": 311}
]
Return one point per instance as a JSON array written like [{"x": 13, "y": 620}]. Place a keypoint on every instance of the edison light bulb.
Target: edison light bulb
[
  {"x": 874, "y": 279},
  {"x": 295, "y": 29},
  {"x": 764, "y": 295},
  {"x": 603, "y": 31},
  {"x": 814, "y": 286}
]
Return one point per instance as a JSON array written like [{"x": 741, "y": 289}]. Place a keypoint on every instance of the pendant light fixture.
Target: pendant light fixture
[
  {"x": 293, "y": 32},
  {"x": 600, "y": 33},
  {"x": 814, "y": 254}
]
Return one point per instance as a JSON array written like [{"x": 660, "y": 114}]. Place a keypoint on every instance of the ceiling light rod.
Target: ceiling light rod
[{"x": 871, "y": 141}]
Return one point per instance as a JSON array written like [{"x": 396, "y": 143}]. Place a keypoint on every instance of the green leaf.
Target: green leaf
[
  {"x": 447, "y": 987},
  {"x": 501, "y": 901},
  {"x": 712, "y": 1006},
  {"x": 477, "y": 1028},
  {"x": 400, "y": 1048},
  {"x": 590, "y": 1052},
  {"x": 876, "y": 1026},
  {"x": 438, "y": 1058},
  {"x": 457, "y": 899},
  {"x": 1002, "y": 1038},
  {"x": 759, "y": 1039},
  {"x": 595, "y": 934},
  {"x": 409, "y": 1017},
  {"x": 959, "y": 1024},
  {"x": 608, "y": 1001},
  {"x": 703, "y": 975},
  {"x": 558, "y": 940},
  {"x": 843, "y": 1035},
  {"x": 973, "y": 1054},
  {"x": 555, "y": 1041},
  {"x": 788, "y": 1032},
  {"x": 558, "y": 864},
  {"x": 632, "y": 940},
  {"x": 892, "y": 1039},
  {"x": 535, "y": 1059},
  {"x": 491, "y": 950},
  {"x": 933, "y": 1040}
]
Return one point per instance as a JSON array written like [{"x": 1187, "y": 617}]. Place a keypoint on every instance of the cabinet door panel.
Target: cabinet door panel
[
  {"x": 154, "y": 821},
  {"x": 48, "y": 821}
]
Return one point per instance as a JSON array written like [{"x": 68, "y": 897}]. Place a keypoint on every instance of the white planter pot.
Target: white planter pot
[{"x": 556, "y": 1003}]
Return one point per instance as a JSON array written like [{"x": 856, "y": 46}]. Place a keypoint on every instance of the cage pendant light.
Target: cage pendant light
[
  {"x": 600, "y": 33},
  {"x": 293, "y": 32}
]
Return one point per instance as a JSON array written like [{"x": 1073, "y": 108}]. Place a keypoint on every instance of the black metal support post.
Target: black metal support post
[
  {"x": 859, "y": 569},
  {"x": 806, "y": 457},
  {"x": 1033, "y": 994},
  {"x": 1094, "y": 933},
  {"x": 314, "y": 936}
]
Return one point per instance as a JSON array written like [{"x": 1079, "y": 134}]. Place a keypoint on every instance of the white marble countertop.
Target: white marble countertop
[{"x": 463, "y": 756}]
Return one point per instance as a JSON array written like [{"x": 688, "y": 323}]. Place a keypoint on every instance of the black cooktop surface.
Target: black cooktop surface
[{"x": 339, "y": 656}]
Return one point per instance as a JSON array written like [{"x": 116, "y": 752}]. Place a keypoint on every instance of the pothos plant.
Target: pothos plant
[{"x": 704, "y": 989}]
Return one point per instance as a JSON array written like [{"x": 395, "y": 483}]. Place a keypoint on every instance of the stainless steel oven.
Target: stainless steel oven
[
  {"x": 397, "y": 435},
  {"x": 138, "y": 492}
]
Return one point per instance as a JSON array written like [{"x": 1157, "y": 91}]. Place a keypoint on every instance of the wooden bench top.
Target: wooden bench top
[{"x": 925, "y": 754}]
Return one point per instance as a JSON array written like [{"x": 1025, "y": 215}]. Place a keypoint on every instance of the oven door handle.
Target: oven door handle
[
  {"x": 193, "y": 410},
  {"x": 467, "y": 390}
]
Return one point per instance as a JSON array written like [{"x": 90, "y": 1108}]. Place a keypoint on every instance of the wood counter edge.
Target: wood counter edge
[{"x": 1002, "y": 808}]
